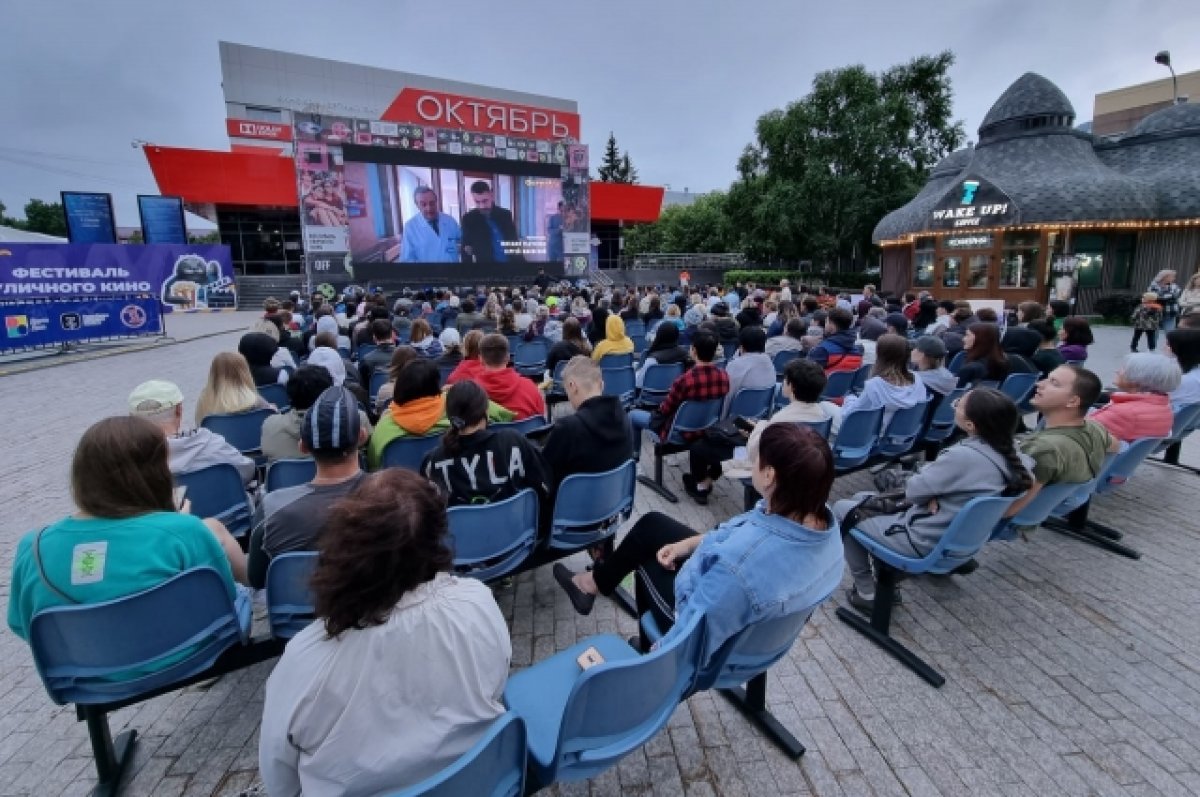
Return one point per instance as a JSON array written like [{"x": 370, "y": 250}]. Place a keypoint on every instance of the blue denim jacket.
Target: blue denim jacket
[{"x": 753, "y": 567}]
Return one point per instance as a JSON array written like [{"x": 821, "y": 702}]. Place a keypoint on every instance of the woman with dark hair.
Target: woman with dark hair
[
  {"x": 1184, "y": 345},
  {"x": 926, "y": 317},
  {"x": 1047, "y": 357},
  {"x": 573, "y": 343},
  {"x": 787, "y": 311},
  {"x": 477, "y": 465},
  {"x": 508, "y": 323},
  {"x": 664, "y": 350},
  {"x": 891, "y": 386},
  {"x": 783, "y": 556},
  {"x": 985, "y": 463},
  {"x": 654, "y": 311},
  {"x": 985, "y": 359},
  {"x": 258, "y": 348},
  {"x": 630, "y": 311},
  {"x": 597, "y": 325},
  {"x": 1076, "y": 336},
  {"x": 127, "y": 536},
  {"x": 404, "y": 668},
  {"x": 401, "y": 357}
]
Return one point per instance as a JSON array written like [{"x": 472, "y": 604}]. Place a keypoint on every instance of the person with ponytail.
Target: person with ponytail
[
  {"x": 477, "y": 465},
  {"x": 985, "y": 463}
]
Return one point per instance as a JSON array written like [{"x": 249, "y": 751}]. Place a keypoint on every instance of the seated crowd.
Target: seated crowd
[{"x": 404, "y": 667}]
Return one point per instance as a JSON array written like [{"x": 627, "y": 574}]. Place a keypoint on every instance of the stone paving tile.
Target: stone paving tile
[{"x": 1069, "y": 670}]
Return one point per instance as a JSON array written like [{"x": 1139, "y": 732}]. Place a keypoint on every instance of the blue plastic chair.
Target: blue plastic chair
[
  {"x": 970, "y": 530},
  {"x": 616, "y": 361},
  {"x": 289, "y": 473},
  {"x": 558, "y": 391},
  {"x": 590, "y": 506},
  {"x": 119, "y": 650},
  {"x": 242, "y": 430},
  {"x": 276, "y": 394},
  {"x": 957, "y": 362},
  {"x": 781, "y": 361},
  {"x": 379, "y": 378},
  {"x": 857, "y": 438},
  {"x": 217, "y": 492},
  {"x": 289, "y": 598},
  {"x": 526, "y": 426},
  {"x": 860, "y": 379},
  {"x": 620, "y": 382},
  {"x": 1186, "y": 421},
  {"x": 582, "y": 722},
  {"x": 837, "y": 385},
  {"x": 635, "y": 328},
  {"x": 530, "y": 358},
  {"x": 656, "y": 383},
  {"x": 492, "y": 540},
  {"x": 1117, "y": 470},
  {"x": 752, "y": 403},
  {"x": 941, "y": 423},
  {"x": 409, "y": 451},
  {"x": 444, "y": 371},
  {"x": 903, "y": 431},
  {"x": 1019, "y": 387},
  {"x": 692, "y": 416},
  {"x": 493, "y": 767},
  {"x": 730, "y": 349},
  {"x": 823, "y": 428},
  {"x": 1037, "y": 511},
  {"x": 639, "y": 343}
]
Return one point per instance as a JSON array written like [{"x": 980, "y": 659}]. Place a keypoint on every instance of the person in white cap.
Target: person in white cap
[{"x": 161, "y": 402}]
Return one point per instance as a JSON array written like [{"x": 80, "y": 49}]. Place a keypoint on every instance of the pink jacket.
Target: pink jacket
[{"x": 1129, "y": 416}]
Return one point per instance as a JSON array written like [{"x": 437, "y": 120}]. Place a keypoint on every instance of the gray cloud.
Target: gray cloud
[{"x": 680, "y": 83}]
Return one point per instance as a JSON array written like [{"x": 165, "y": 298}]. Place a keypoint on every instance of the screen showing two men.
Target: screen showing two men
[{"x": 421, "y": 207}]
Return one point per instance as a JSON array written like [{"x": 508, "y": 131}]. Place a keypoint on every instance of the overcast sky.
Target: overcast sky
[{"x": 680, "y": 82}]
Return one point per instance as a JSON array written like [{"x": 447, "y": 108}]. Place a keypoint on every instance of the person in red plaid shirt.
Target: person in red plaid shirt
[{"x": 702, "y": 381}]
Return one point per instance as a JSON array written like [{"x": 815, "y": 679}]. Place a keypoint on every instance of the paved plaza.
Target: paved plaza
[{"x": 1069, "y": 670}]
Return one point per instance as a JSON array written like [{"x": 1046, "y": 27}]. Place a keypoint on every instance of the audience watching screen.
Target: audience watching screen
[{"x": 416, "y": 207}]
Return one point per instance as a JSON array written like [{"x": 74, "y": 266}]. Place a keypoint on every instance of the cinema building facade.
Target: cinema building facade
[{"x": 1039, "y": 209}]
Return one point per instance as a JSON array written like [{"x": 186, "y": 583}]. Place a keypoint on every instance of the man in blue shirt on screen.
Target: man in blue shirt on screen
[
  {"x": 487, "y": 228},
  {"x": 430, "y": 236}
]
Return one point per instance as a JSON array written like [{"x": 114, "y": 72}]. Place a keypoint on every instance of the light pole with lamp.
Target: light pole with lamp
[{"x": 1164, "y": 58}]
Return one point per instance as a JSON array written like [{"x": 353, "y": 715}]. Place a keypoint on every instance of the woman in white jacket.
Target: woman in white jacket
[{"x": 891, "y": 386}]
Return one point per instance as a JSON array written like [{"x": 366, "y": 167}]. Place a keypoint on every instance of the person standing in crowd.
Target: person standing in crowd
[
  {"x": 928, "y": 361},
  {"x": 404, "y": 668},
  {"x": 783, "y": 556},
  {"x": 161, "y": 403},
  {"x": 542, "y": 280},
  {"x": 1167, "y": 293},
  {"x": 229, "y": 390},
  {"x": 430, "y": 236},
  {"x": 1184, "y": 344},
  {"x": 1189, "y": 300},
  {"x": 1076, "y": 336},
  {"x": 477, "y": 465},
  {"x": 503, "y": 384},
  {"x": 891, "y": 385},
  {"x": 127, "y": 536},
  {"x": 289, "y": 519},
  {"x": 487, "y": 228},
  {"x": 1147, "y": 319},
  {"x": 1141, "y": 407},
  {"x": 1069, "y": 448},
  {"x": 986, "y": 463}
]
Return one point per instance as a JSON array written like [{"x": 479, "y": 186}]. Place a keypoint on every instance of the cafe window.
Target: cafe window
[
  {"x": 1019, "y": 260},
  {"x": 951, "y": 268},
  {"x": 1089, "y": 260},
  {"x": 923, "y": 262},
  {"x": 978, "y": 271}
]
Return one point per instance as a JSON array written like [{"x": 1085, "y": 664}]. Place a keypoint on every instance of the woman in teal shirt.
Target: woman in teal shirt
[{"x": 127, "y": 535}]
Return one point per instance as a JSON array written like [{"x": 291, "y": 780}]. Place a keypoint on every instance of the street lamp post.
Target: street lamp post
[{"x": 1164, "y": 58}]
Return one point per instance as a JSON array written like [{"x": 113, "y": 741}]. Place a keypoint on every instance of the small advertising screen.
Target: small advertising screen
[
  {"x": 417, "y": 207},
  {"x": 90, "y": 218},
  {"x": 162, "y": 219}
]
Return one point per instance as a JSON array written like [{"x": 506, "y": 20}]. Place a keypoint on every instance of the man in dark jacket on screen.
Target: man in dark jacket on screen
[{"x": 487, "y": 228}]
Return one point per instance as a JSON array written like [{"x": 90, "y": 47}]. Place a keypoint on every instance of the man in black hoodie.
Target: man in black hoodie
[{"x": 596, "y": 437}]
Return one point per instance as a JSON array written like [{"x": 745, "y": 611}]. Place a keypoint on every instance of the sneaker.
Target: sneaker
[
  {"x": 581, "y": 600},
  {"x": 864, "y": 605},
  {"x": 700, "y": 496}
]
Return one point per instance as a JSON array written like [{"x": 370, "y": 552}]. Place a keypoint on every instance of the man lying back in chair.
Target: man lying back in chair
[{"x": 1070, "y": 449}]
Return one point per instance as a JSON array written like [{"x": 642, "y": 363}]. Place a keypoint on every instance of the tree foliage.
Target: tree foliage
[
  {"x": 616, "y": 167},
  {"x": 703, "y": 226},
  {"x": 43, "y": 217}
]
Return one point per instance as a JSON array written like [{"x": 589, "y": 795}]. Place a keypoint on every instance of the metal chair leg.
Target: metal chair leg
[
  {"x": 1076, "y": 524},
  {"x": 752, "y": 701},
  {"x": 111, "y": 756},
  {"x": 876, "y": 628},
  {"x": 1171, "y": 457},
  {"x": 656, "y": 484}
]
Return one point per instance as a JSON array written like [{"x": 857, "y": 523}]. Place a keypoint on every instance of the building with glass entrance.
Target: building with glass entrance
[{"x": 1039, "y": 209}]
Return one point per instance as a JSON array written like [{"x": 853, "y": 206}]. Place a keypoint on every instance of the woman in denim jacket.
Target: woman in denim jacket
[{"x": 783, "y": 556}]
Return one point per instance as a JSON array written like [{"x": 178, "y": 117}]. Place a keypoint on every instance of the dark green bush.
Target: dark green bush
[{"x": 1116, "y": 306}]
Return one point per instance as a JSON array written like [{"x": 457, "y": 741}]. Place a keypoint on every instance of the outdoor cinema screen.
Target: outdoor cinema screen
[{"x": 411, "y": 206}]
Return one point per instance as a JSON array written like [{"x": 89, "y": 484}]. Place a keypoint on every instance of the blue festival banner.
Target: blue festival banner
[
  {"x": 35, "y": 325},
  {"x": 182, "y": 276}
]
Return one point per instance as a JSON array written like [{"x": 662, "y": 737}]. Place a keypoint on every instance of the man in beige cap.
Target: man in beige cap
[{"x": 161, "y": 402}]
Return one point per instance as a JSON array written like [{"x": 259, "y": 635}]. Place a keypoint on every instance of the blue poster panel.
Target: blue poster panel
[
  {"x": 34, "y": 325},
  {"x": 183, "y": 276},
  {"x": 162, "y": 219},
  {"x": 90, "y": 218}
]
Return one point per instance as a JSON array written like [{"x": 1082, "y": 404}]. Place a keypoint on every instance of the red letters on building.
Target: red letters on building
[{"x": 434, "y": 108}]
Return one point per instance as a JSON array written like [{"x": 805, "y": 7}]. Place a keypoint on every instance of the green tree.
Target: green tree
[
  {"x": 703, "y": 226},
  {"x": 45, "y": 217},
  {"x": 210, "y": 237},
  {"x": 5, "y": 220},
  {"x": 626, "y": 171},
  {"x": 610, "y": 165},
  {"x": 825, "y": 169}
]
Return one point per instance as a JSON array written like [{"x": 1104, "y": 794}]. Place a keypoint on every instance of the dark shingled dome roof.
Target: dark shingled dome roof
[
  {"x": 1177, "y": 117},
  {"x": 1031, "y": 95}
]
